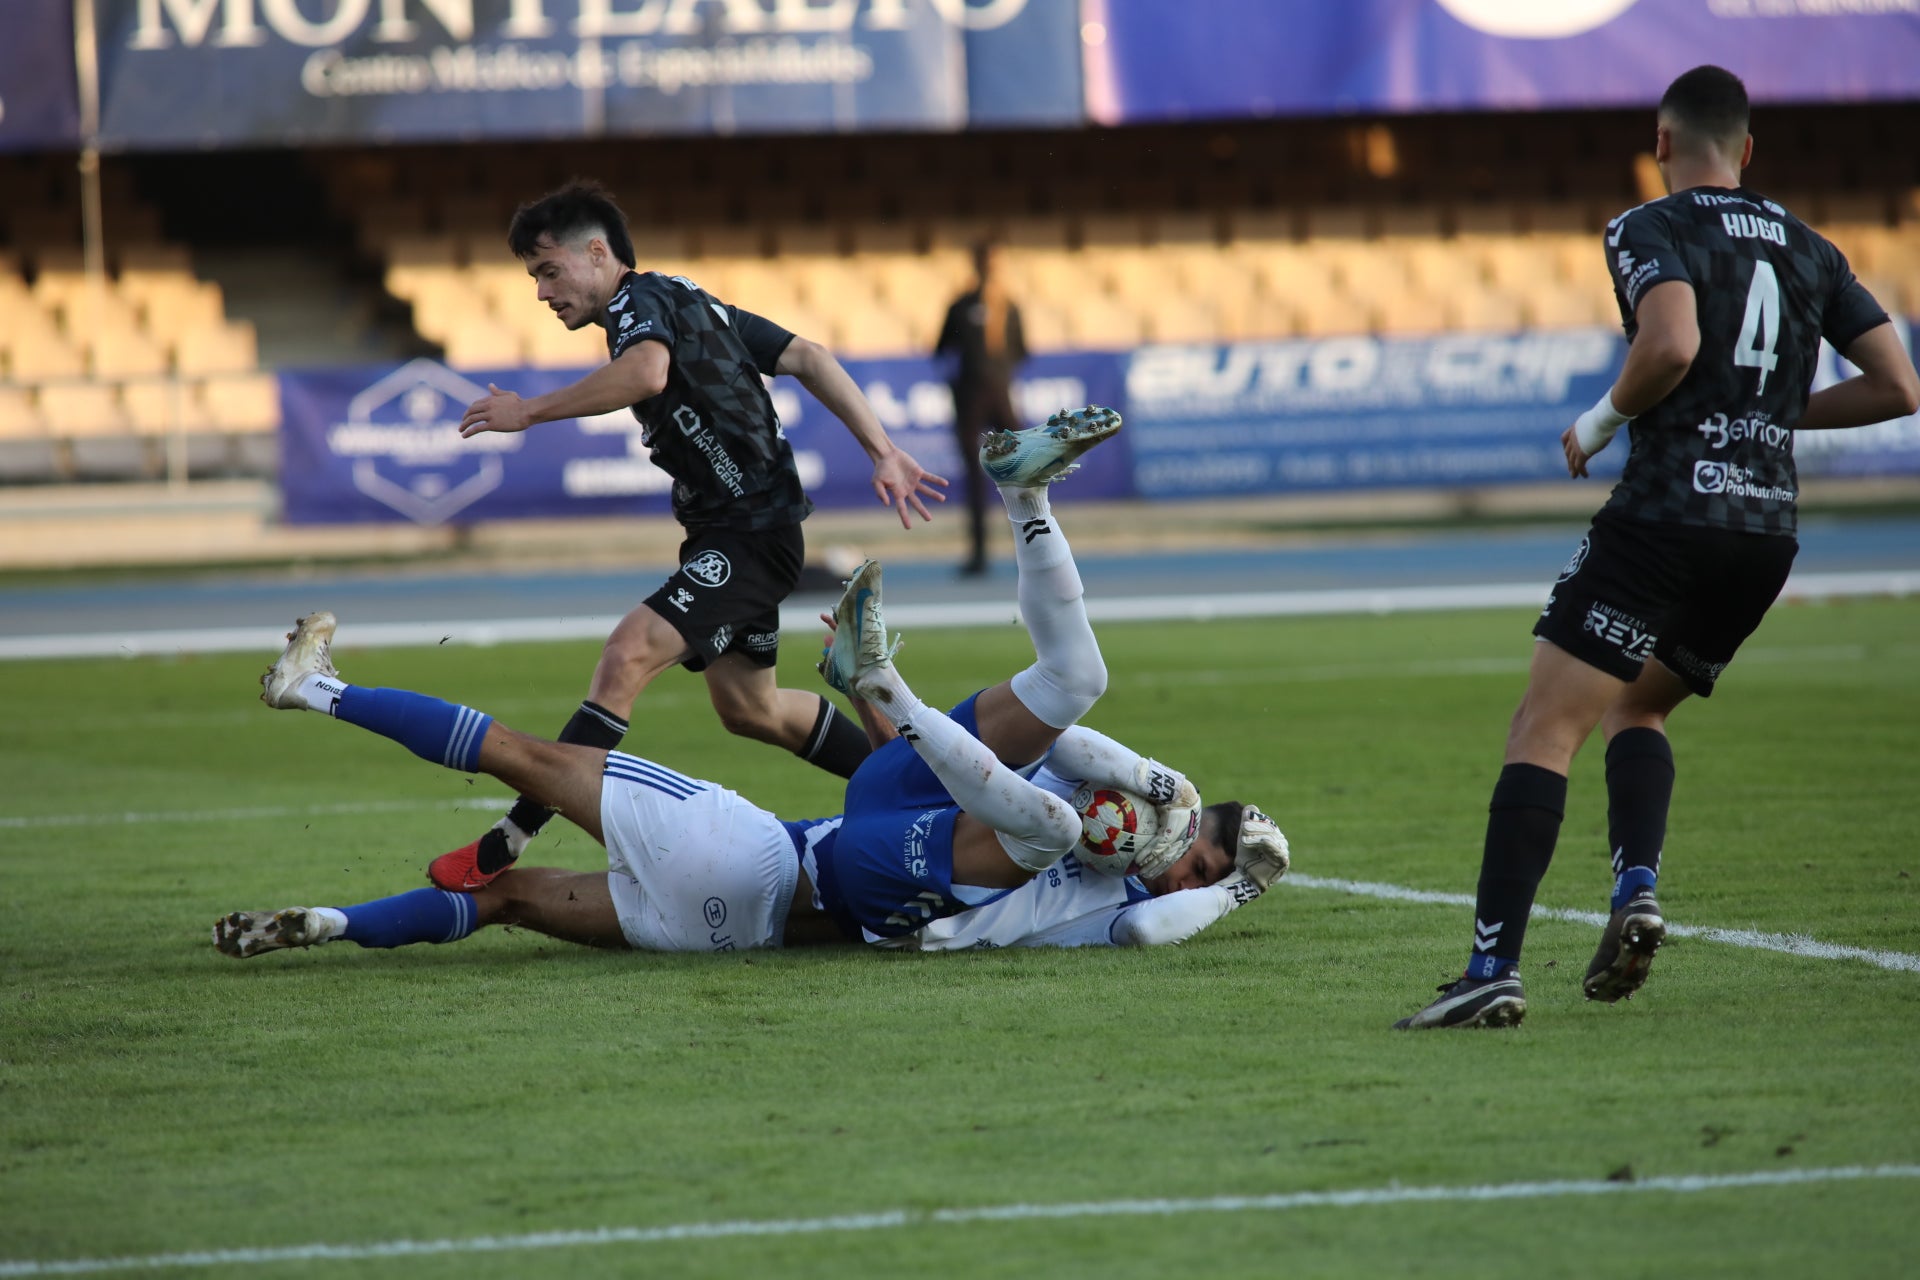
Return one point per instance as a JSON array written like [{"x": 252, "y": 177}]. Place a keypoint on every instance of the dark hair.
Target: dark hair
[
  {"x": 1226, "y": 820},
  {"x": 579, "y": 207},
  {"x": 1710, "y": 103}
]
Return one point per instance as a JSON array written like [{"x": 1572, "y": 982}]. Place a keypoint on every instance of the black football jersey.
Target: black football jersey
[
  {"x": 713, "y": 427},
  {"x": 1718, "y": 451}
]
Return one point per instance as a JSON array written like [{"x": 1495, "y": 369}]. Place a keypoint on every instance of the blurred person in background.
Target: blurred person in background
[{"x": 983, "y": 342}]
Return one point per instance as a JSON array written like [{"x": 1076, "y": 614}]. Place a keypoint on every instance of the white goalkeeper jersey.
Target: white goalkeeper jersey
[{"x": 1069, "y": 906}]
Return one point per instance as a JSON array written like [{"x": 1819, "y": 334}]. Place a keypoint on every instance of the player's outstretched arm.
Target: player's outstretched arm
[
  {"x": 1261, "y": 858},
  {"x": 899, "y": 481},
  {"x": 1886, "y": 386},
  {"x": 639, "y": 373}
]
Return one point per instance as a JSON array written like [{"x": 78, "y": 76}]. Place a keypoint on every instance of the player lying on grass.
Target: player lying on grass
[{"x": 695, "y": 867}]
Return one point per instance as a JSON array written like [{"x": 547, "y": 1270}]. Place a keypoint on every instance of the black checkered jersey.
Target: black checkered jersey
[
  {"x": 713, "y": 427},
  {"x": 1718, "y": 451}
]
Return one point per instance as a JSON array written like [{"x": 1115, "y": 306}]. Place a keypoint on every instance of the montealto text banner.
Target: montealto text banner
[{"x": 177, "y": 73}]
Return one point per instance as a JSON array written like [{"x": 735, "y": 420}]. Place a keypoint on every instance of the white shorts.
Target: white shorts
[{"x": 692, "y": 866}]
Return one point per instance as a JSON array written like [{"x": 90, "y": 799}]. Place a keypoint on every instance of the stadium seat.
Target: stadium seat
[
  {"x": 40, "y": 353},
  {"x": 551, "y": 345},
  {"x": 74, "y": 409},
  {"x": 1180, "y": 319},
  {"x": 124, "y": 352},
  {"x": 157, "y": 406},
  {"x": 479, "y": 341},
  {"x": 19, "y": 414},
  {"x": 1330, "y": 315},
  {"x": 1410, "y": 313},
  {"x": 230, "y": 348},
  {"x": 249, "y": 403},
  {"x": 1485, "y": 310},
  {"x": 1103, "y": 323}
]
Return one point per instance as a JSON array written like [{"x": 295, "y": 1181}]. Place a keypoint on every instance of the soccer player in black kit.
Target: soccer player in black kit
[
  {"x": 1725, "y": 297},
  {"x": 691, "y": 367}
]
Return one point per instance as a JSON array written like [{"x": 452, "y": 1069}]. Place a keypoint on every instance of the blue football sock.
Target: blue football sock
[
  {"x": 433, "y": 730},
  {"x": 1631, "y": 881},
  {"x": 424, "y": 915}
]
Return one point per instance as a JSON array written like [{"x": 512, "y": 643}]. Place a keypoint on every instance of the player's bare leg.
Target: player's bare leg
[{"x": 569, "y": 905}]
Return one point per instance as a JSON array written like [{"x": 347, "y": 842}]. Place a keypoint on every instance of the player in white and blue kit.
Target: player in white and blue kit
[{"x": 936, "y": 829}]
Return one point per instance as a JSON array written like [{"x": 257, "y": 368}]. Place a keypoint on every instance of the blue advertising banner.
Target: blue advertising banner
[
  {"x": 39, "y": 105},
  {"x": 1362, "y": 412},
  {"x": 232, "y": 72},
  {"x": 383, "y": 444},
  {"x": 1175, "y": 60}
]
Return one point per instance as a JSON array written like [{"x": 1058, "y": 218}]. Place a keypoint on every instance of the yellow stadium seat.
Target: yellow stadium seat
[
  {"x": 1100, "y": 322},
  {"x": 873, "y": 331},
  {"x": 1043, "y": 324},
  {"x": 478, "y": 341},
  {"x": 81, "y": 409},
  {"x": 37, "y": 354},
  {"x": 1176, "y": 318},
  {"x": 19, "y": 416},
  {"x": 1410, "y": 313},
  {"x": 552, "y": 345},
  {"x": 230, "y": 348},
  {"x": 158, "y": 407},
  {"x": 242, "y": 404},
  {"x": 1485, "y": 310},
  {"x": 1555, "y": 306},
  {"x": 1330, "y": 315},
  {"x": 117, "y": 352}
]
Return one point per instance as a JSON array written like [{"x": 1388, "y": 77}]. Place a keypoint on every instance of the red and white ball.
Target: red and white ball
[{"x": 1116, "y": 825}]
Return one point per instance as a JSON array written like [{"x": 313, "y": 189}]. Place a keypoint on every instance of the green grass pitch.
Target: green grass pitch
[{"x": 157, "y": 1098}]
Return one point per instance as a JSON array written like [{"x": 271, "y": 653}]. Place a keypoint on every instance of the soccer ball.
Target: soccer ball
[{"x": 1116, "y": 826}]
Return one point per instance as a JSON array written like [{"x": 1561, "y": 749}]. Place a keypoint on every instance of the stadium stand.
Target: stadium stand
[{"x": 1191, "y": 234}]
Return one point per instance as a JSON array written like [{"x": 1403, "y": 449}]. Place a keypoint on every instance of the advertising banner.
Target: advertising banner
[
  {"x": 1175, "y": 60},
  {"x": 383, "y": 444},
  {"x": 235, "y": 72},
  {"x": 1363, "y": 413},
  {"x": 39, "y": 105}
]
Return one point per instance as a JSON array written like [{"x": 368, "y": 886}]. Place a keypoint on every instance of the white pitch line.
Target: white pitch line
[
  {"x": 250, "y": 814},
  {"x": 1357, "y": 1198},
  {"x": 798, "y": 618},
  {"x": 1793, "y": 944}
]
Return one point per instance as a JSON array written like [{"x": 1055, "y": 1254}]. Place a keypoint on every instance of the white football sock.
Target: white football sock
[
  {"x": 320, "y": 693},
  {"x": 517, "y": 840},
  {"x": 1069, "y": 675},
  {"x": 333, "y": 922}
]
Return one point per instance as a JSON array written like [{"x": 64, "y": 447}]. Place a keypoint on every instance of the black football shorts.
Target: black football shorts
[
  {"x": 1686, "y": 595},
  {"x": 725, "y": 597}
]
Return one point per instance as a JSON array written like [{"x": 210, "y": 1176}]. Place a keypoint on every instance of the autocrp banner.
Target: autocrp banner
[
  {"x": 1174, "y": 59},
  {"x": 39, "y": 105},
  {"x": 220, "y": 72},
  {"x": 1362, "y": 412},
  {"x": 1328, "y": 414},
  {"x": 383, "y": 444}
]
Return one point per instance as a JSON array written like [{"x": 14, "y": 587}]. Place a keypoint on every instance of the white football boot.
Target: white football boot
[
  {"x": 859, "y": 633},
  {"x": 309, "y": 652},
  {"x": 1043, "y": 454},
  {"x": 242, "y": 934}
]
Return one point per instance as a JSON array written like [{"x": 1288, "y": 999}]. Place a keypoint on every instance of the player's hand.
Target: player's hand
[
  {"x": 901, "y": 482},
  {"x": 1262, "y": 856},
  {"x": 1577, "y": 458},
  {"x": 497, "y": 411},
  {"x": 1176, "y": 802}
]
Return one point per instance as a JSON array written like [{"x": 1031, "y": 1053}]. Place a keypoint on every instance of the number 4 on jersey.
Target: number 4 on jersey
[{"x": 1760, "y": 327}]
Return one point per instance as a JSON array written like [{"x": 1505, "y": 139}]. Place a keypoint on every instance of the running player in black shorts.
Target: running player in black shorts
[
  {"x": 1725, "y": 297},
  {"x": 692, "y": 368}
]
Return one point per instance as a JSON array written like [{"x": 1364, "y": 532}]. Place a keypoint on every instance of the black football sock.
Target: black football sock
[
  {"x": 1523, "y": 824},
  {"x": 1639, "y": 791},
  {"x": 836, "y": 743},
  {"x": 591, "y": 725}
]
